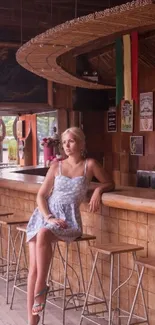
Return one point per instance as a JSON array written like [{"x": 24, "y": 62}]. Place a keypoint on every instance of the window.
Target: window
[
  {"x": 8, "y": 146},
  {"x": 45, "y": 124}
]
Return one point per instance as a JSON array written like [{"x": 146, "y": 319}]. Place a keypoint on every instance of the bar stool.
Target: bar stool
[
  {"x": 144, "y": 263},
  {"x": 72, "y": 298},
  {"x": 8, "y": 263},
  {"x": 20, "y": 282},
  {"x": 111, "y": 250},
  {"x": 63, "y": 287},
  {"x": 3, "y": 213}
]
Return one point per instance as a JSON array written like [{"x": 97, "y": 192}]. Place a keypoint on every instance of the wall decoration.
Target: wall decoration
[
  {"x": 136, "y": 145},
  {"x": 127, "y": 115},
  {"x": 119, "y": 71},
  {"x": 134, "y": 64},
  {"x": 146, "y": 111},
  {"x": 17, "y": 84},
  {"x": 112, "y": 119}
]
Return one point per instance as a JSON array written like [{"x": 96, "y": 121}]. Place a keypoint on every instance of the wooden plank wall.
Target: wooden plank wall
[{"x": 115, "y": 146}]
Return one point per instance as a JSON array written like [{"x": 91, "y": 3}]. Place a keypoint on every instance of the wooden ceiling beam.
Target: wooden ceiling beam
[
  {"x": 23, "y": 108},
  {"x": 10, "y": 45},
  {"x": 100, "y": 51}
]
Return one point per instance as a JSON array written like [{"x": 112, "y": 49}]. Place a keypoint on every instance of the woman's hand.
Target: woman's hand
[
  {"x": 95, "y": 201},
  {"x": 59, "y": 222}
]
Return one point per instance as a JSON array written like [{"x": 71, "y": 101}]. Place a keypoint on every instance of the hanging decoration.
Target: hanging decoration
[
  {"x": 127, "y": 67},
  {"x": 127, "y": 116},
  {"x": 119, "y": 71},
  {"x": 134, "y": 55},
  {"x": 146, "y": 111}
]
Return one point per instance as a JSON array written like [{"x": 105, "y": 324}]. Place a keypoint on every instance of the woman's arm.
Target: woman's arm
[
  {"x": 106, "y": 185},
  {"x": 46, "y": 189}
]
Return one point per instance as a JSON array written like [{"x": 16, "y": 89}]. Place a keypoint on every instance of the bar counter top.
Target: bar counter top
[
  {"x": 129, "y": 198},
  {"x": 15, "y": 178}
]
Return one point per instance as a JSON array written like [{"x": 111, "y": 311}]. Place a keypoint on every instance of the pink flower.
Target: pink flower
[{"x": 50, "y": 141}]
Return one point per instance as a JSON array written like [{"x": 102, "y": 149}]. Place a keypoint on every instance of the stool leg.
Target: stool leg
[
  {"x": 17, "y": 269},
  {"x": 100, "y": 282},
  {"x": 53, "y": 247},
  {"x": 1, "y": 250},
  {"x": 25, "y": 257},
  {"x": 65, "y": 282},
  {"x": 14, "y": 257},
  {"x": 139, "y": 286},
  {"x": 8, "y": 264},
  {"x": 63, "y": 262},
  {"x": 118, "y": 284},
  {"x": 88, "y": 289},
  {"x": 110, "y": 289},
  {"x": 136, "y": 294},
  {"x": 81, "y": 269}
]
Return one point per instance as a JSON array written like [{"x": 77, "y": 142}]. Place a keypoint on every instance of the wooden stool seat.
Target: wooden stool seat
[
  {"x": 12, "y": 221},
  {"x": 5, "y": 213},
  {"x": 85, "y": 237},
  {"x": 118, "y": 248}
]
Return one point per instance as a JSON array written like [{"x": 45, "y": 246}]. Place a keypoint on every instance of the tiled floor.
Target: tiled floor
[{"x": 18, "y": 316}]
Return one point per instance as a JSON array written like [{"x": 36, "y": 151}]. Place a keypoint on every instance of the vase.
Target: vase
[{"x": 48, "y": 152}]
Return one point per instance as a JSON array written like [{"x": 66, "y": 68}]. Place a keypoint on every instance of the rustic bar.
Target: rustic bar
[{"x": 126, "y": 215}]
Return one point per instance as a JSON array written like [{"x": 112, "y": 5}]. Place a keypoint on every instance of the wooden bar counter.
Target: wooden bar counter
[{"x": 126, "y": 215}]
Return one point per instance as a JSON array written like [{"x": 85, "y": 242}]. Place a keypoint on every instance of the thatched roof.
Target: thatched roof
[{"x": 43, "y": 54}]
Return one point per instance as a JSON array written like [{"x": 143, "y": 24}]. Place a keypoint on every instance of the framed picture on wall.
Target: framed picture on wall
[
  {"x": 136, "y": 145},
  {"x": 127, "y": 116},
  {"x": 146, "y": 111},
  {"x": 112, "y": 120}
]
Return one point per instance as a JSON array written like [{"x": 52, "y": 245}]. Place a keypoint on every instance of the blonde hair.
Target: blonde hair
[{"x": 77, "y": 133}]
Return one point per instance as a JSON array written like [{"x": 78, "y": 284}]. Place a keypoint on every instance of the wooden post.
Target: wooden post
[
  {"x": 1, "y": 151},
  {"x": 50, "y": 93},
  {"x": 74, "y": 118}
]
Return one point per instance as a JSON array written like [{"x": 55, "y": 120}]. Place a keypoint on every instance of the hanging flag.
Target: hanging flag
[
  {"x": 127, "y": 67},
  {"x": 119, "y": 71},
  {"x": 134, "y": 56}
]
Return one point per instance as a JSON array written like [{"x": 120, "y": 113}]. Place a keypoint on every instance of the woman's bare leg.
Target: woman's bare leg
[
  {"x": 32, "y": 276},
  {"x": 43, "y": 258}
]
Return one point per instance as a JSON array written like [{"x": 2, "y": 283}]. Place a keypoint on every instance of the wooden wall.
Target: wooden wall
[
  {"x": 114, "y": 147},
  {"x": 124, "y": 166}
]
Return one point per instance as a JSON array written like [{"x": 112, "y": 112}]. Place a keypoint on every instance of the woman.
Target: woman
[{"x": 57, "y": 216}]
